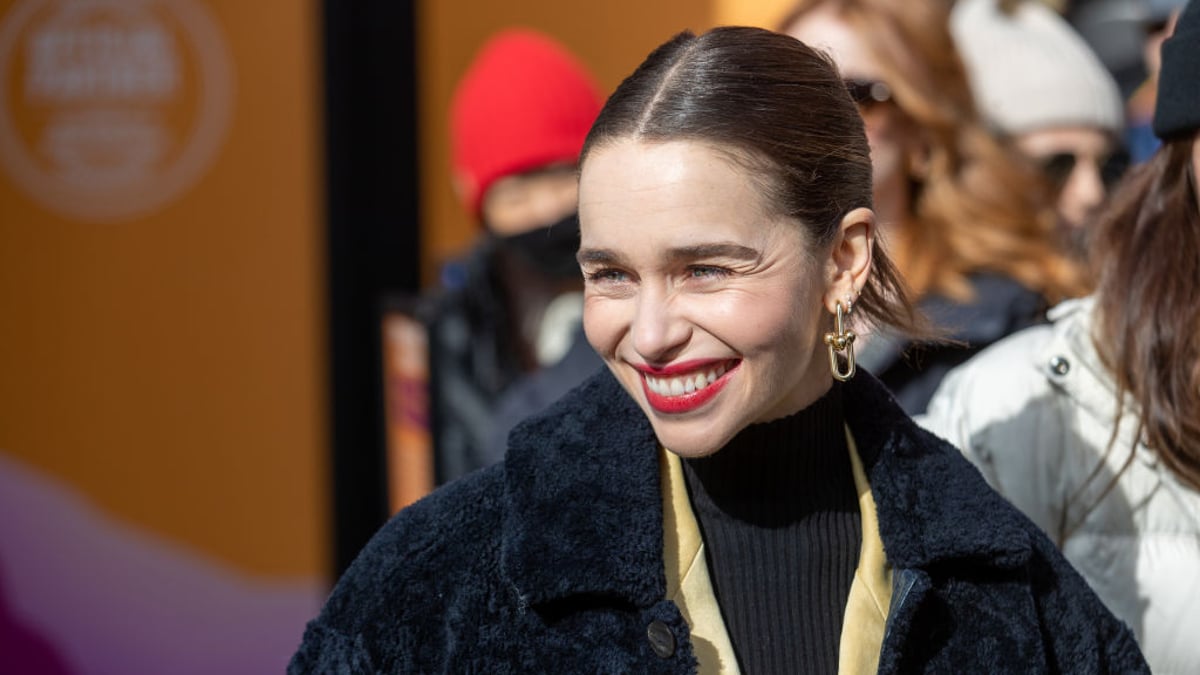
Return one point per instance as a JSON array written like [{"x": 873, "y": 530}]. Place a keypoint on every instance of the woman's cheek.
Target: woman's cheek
[{"x": 601, "y": 324}]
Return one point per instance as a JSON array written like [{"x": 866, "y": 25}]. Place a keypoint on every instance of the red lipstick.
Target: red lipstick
[{"x": 685, "y": 402}]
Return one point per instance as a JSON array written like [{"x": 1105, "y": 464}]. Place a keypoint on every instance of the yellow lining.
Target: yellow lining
[
  {"x": 871, "y": 591},
  {"x": 689, "y": 586}
]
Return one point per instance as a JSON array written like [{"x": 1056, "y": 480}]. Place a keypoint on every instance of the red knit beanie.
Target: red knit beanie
[{"x": 523, "y": 104}]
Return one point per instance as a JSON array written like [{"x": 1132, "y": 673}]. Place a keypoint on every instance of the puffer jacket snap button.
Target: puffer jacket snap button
[
  {"x": 1060, "y": 366},
  {"x": 662, "y": 640}
]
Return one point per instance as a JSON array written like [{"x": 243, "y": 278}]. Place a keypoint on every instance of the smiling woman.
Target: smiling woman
[{"x": 728, "y": 496}]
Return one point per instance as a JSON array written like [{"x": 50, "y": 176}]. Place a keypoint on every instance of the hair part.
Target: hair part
[{"x": 777, "y": 108}]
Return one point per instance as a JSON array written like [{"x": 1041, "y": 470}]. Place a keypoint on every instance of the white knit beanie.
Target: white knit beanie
[{"x": 1030, "y": 70}]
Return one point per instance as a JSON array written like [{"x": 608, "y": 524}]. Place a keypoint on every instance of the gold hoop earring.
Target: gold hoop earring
[{"x": 841, "y": 340}]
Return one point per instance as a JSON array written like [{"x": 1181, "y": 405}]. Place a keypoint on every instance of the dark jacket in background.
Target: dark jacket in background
[
  {"x": 912, "y": 371},
  {"x": 536, "y": 391},
  {"x": 473, "y": 357},
  {"x": 485, "y": 375},
  {"x": 552, "y": 562}
]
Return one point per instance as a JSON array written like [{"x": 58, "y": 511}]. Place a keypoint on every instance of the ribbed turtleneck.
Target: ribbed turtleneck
[{"x": 778, "y": 511}]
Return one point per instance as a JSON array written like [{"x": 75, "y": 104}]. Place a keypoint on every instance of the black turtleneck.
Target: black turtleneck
[{"x": 778, "y": 512}]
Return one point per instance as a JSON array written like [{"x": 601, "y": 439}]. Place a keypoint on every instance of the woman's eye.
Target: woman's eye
[
  {"x": 707, "y": 272},
  {"x": 606, "y": 275}
]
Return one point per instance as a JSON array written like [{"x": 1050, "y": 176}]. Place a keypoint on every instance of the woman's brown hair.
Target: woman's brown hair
[
  {"x": 779, "y": 109},
  {"x": 1145, "y": 250},
  {"x": 974, "y": 206}
]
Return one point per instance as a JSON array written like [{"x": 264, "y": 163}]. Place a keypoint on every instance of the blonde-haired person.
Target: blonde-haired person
[
  {"x": 970, "y": 224},
  {"x": 1092, "y": 425}
]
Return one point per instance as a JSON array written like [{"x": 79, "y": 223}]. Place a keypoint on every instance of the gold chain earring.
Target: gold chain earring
[{"x": 841, "y": 340}]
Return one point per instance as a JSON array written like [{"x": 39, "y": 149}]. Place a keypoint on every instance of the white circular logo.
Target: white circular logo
[{"x": 110, "y": 109}]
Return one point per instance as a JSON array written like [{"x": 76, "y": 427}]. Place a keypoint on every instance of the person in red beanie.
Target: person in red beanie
[{"x": 511, "y": 307}]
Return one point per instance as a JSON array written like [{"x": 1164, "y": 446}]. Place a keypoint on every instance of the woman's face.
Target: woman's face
[
  {"x": 528, "y": 201},
  {"x": 705, "y": 304},
  {"x": 1078, "y": 159},
  {"x": 892, "y": 136}
]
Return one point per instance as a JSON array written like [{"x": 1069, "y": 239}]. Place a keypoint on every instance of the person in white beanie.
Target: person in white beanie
[{"x": 1037, "y": 83}]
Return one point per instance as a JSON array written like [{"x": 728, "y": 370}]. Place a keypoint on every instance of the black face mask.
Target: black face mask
[{"x": 550, "y": 249}]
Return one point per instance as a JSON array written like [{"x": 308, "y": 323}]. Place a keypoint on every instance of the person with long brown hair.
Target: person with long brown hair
[
  {"x": 1092, "y": 425},
  {"x": 970, "y": 224},
  {"x": 731, "y": 494}
]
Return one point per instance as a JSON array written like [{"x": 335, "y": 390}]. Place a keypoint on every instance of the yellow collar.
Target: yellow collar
[{"x": 689, "y": 586}]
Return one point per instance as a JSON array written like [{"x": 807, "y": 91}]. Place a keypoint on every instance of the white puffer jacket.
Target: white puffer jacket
[{"x": 1035, "y": 412}]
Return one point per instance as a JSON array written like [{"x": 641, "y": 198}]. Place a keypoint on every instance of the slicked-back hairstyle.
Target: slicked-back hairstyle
[
  {"x": 1145, "y": 250},
  {"x": 778, "y": 109}
]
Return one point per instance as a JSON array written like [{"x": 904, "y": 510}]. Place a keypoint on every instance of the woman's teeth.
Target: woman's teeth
[{"x": 685, "y": 384}]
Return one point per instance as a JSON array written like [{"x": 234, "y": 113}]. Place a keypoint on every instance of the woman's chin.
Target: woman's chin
[{"x": 691, "y": 445}]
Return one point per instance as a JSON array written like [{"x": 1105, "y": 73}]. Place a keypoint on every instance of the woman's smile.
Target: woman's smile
[{"x": 687, "y": 386}]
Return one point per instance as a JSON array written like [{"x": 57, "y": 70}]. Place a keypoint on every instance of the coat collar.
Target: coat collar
[
  {"x": 584, "y": 506},
  {"x": 1082, "y": 375}
]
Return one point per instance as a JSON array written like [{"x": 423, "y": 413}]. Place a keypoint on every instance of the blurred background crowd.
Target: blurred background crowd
[{"x": 271, "y": 271}]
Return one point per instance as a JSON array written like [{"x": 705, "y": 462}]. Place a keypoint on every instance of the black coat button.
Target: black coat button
[{"x": 662, "y": 640}]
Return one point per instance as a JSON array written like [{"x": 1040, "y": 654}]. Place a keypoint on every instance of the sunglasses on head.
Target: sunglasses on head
[
  {"x": 868, "y": 93},
  {"x": 1058, "y": 167}
]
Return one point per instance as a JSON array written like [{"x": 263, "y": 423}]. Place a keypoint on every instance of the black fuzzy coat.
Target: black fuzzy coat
[{"x": 552, "y": 562}]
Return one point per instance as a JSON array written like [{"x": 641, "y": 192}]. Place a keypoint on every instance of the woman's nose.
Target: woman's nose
[
  {"x": 659, "y": 331},
  {"x": 1083, "y": 193}
]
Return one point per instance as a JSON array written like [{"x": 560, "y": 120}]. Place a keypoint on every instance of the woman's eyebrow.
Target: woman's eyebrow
[
  {"x": 604, "y": 256},
  {"x": 597, "y": 256},
  {"x": 716, "y": 250}
]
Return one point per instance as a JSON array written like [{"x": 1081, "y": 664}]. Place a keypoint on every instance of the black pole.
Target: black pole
[{"x": 370, "y": 86}]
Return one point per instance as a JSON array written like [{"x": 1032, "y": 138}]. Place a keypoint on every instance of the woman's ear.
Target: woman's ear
[{"x": 850, "y": 258}]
